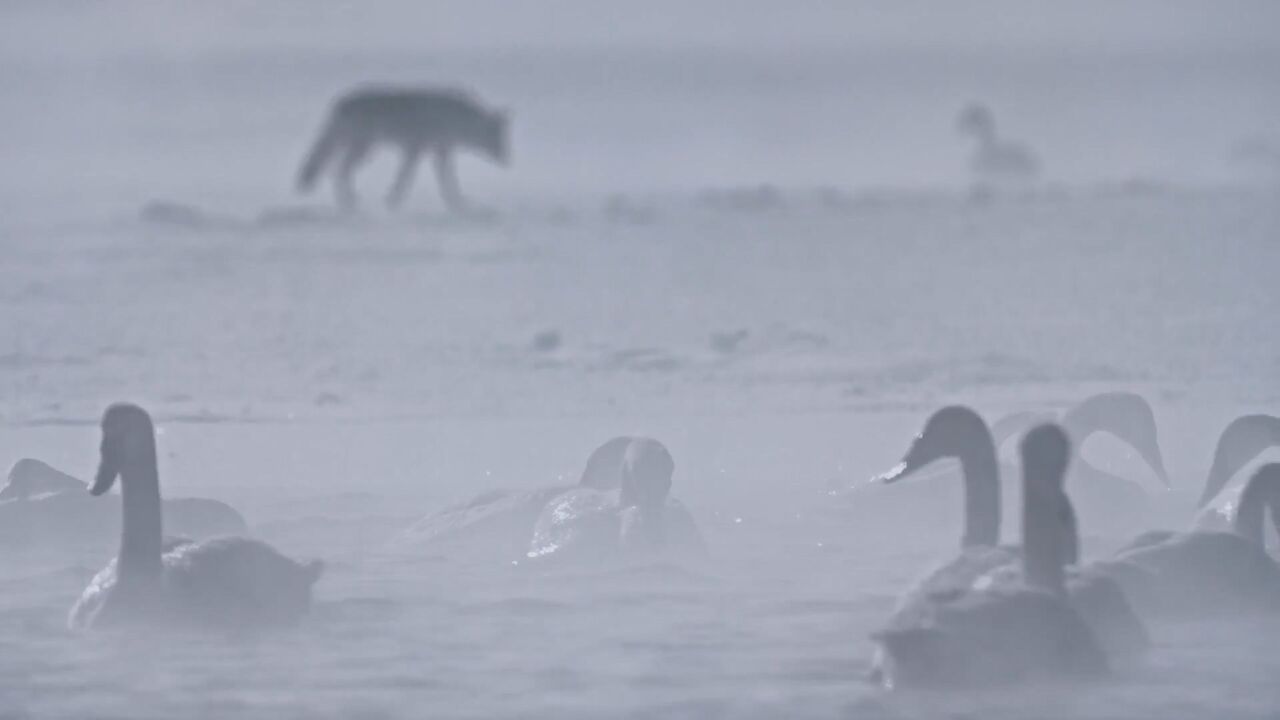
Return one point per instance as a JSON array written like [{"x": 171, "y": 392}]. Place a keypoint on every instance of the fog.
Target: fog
[{"x": 776, "y": 238}]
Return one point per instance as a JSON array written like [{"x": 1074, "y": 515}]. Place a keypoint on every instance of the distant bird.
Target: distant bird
[
  {"x": 959, "y": 627},
  {"x": 996, "y": 163},
  {"x": 231, "y": 583}
]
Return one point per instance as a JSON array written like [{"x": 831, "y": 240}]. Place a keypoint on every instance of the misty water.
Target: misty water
[{"x": 746, "y": 232}]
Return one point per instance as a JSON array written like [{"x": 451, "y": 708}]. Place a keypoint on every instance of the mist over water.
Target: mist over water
[{"x": 752, "y": 231}]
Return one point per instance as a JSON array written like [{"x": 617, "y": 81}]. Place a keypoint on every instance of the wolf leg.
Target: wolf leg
[
  {"x": 404, "y": 178},
  {"x": 447, "y": 178},
  {"x": 351, "y": 160}
]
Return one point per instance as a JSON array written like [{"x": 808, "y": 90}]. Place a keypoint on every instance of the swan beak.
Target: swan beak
[
  {"x": 1161, "y": 474},
  {"x": 106, "y": 477},
  {"x": 894, "y": 474}
]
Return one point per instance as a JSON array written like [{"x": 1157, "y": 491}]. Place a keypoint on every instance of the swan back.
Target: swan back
[{"x": 29, "y": 478}]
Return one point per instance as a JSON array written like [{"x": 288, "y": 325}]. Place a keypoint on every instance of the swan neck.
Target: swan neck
[
  {"x": 1251, "y": 512},
  {"x": 1045, "y": 527},
  {"x": 981, "y": 495},
  {"x": 141, "y": 531}
]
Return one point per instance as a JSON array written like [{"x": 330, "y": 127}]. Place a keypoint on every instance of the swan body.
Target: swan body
[
  {"x": 41, "y": 505},
  {"x": 32, "y": 479},
  {"x": 959, "y": 432},
  {"x": 955, "y": 629},
  {"x": 504, "y": 519},
  {"x": 229, "y": 583},
  {"x": 637, "y": 520}
]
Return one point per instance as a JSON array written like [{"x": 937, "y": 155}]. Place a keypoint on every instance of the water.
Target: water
[{"x": 765, "y": 256}]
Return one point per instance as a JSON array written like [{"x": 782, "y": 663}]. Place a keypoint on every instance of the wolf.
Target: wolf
[{"x": 417, "y": 120}]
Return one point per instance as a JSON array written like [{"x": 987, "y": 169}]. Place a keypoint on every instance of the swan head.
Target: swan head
[
  {"x": 953, "y": 431},
  {"x": 1046, "y": 450},
  {"x": 976, "y": 119},
  {"x": 646, "y": 475},
  {"x": 1126, "y": 415},
  {"x": 604, "y": 467},
  {"x": 128, "y": 444}
]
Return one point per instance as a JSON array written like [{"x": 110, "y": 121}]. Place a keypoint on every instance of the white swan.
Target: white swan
[
  {"x": 638, "y": 519},
  {"x": 1000, "y": 632},
  {"x": 996, "y": 162},
  {"x": 959, "y": 432},
  {"x": 1207, "y": 572},
  {"x": 1243, "y": 440},
  {"x": 42, "y": 506},
  {"x": 1112, "y": 503},
  {"x": 230, "y": 583},
  {"x": 504, "y": 519}
]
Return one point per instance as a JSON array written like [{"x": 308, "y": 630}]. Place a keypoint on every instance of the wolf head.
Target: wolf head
[{"x": 494, "y": 136}]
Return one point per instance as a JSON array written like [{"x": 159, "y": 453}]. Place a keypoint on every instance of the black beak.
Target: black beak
[{"x": 106, "y": 477}]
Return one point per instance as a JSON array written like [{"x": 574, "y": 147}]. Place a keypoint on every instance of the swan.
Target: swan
[
  {"x": 959, "y": 432},
  {"x": 30, "y": 479},
  {"x": 1112, "y": 504},
  {"x": 232, "y": 582},
  {"x": 1207, "y": 572},
  {"x": 996, "y": 162},
  {"x": 1243, "y": 440},
  {"x": 1000, "y": 632},
  {"x": 636, "y": 520},
  {"x": 505, "y": 518},
  {"x": 42, "y": 505}
]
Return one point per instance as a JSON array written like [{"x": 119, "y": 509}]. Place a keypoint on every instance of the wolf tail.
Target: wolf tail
[{"x": 319, "y": 155}]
